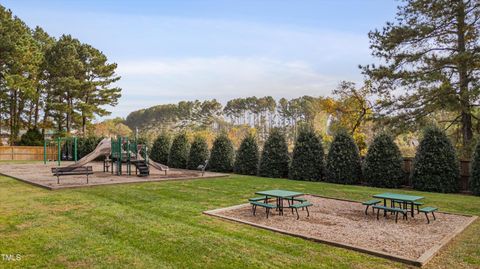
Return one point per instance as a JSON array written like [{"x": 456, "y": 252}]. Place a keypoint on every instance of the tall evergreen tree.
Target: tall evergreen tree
[
  {"x": 383, "y": 163},
  {"x": 343, "y": 160},
  {"x": 96, "y": 85},
  {"x": 307, "y": 161},
  {"x": 41, "y": 98},
  {"x": 179, "y": 151},
  {"x": 436, "y": 166},
  {"x": 64, "y": 69},
  {"x": 246, "y": 161},
  {"x": 198, "y": 152},
  {"x": 222, "y": 155},
  {"x": 431, "y": 62},
  {"x": 19, "y": 61},
  {"x": 274, "y": 160},
  {"x": 161, "y": 148}
]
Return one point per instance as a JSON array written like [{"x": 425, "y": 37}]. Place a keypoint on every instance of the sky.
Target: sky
[{"x": 168, "y": 51}]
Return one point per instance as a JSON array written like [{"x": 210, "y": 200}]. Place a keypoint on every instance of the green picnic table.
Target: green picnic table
[
  {"x": 280, "y": 195},
  {"x": 406, "y": 199}
]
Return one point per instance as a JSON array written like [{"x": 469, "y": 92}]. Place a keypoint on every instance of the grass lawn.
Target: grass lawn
[{"x": 161, "y": 225}]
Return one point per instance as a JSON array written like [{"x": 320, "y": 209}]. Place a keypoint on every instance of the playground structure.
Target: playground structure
[
  {"x": 120, "y": 153},
  {"x": 123, "y": 150},
  {"x": 60, "y": 148}
]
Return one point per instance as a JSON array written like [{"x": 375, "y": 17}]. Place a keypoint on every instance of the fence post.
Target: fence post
[{"x": 12, "y": 153}]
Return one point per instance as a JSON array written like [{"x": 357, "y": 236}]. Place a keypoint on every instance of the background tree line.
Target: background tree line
[
  {"x": 349, "y": 108},
  {"x": 48, "y": 83}
]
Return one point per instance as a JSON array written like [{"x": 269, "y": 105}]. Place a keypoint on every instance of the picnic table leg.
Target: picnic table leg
[
  {"x": 412, "y": 209},
  {"x": 385, "y": 205},
  {"x": 292, "y": 204},
  {"x": 281, "y": 206}
]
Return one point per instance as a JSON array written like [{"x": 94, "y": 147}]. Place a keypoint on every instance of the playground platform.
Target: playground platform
[{"x": 39, "y": 174}]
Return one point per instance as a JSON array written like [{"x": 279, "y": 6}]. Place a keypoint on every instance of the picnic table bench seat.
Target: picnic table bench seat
[
  {"x": 257, "y": 199},
  {"x": 395, "y": 210},
  {"x": 68, "y": 171},
  {"x": 402, "y": 203},
  {"x": 370, "y": 203},
  {"x": 302, "y": 205},
  {"x": 265, "y": 205},
  {"x": 429, "y": 209}
]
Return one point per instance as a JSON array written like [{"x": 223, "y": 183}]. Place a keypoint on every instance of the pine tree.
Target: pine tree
[
  {"x": 179, "y": 151},
  {"x": 222, "y": 155},
  {"x": 275, "y": 160},
  {"x": 161, "y": 148},
  {"x": 475, "y": 174},
  {"x": 429, "y": 62},
  {"x": 343, "y": 160},
  {"x": 383, "y": 163},
  {"x": 246, "y": 162},
  {"x": 435, "y": 167},
  {"x": 308, "y": 157},
  {"x": 198, "y": 152}
]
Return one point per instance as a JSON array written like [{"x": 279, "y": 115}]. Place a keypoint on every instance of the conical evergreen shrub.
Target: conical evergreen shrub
[
  {"x": 343, "y": 160},
  {"x": 222, "y": 155},
  {"x": 475, "y": 174},
  {"x": 161, "y": 148},
  {"x": 308, "y": 157},
  {"x": 179, "y": 152},
  {"x": 275, "y": 160},
  {"x": 383, "y": 163},
  {"x": 246, "y": 162},
  {"x": 198, "y": 152},
  {"x": 435, "y": 165}
]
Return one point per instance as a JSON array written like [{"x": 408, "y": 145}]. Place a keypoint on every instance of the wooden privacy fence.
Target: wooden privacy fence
[
  {"x": 26, "y": 153},
  {"x": 463, "y": 180}
]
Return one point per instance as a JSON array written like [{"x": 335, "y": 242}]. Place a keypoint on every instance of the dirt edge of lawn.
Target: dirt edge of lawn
[{"x": 421, "y": 261}]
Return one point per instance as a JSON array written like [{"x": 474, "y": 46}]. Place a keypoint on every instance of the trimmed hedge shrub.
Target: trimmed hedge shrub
[
  {"x": 198, "y": 153},
  {"x": 343, "y": 160},
  {"x": 307, "y": 160},
  {"x": 161, "y": 148},
  {"x": 435, "y": 165},
  {"x": 246, "y": 162},
  {"x": 275, "y": 160},
  {"x": 475, "y": 174},
  {"x": 383, "y": 163},
  {"x": 222, "y": 155},
  {"x": 32, "y": 137},
  {"x": 179, "y": 152}
]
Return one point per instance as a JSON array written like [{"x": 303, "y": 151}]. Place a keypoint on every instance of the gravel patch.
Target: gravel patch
[{"x": 345, "y": 222}]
